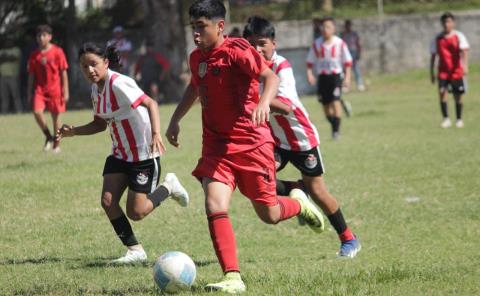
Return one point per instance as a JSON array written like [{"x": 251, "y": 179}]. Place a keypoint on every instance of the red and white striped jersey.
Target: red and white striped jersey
[
  {"x": 129, "y": 124},
  {"x": 295, "y": 131},
  {"x": 329, "y": 58}
]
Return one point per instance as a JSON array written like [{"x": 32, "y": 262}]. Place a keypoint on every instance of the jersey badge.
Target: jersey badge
[
  {"x": 202, "y": 69},
  {"x": 311, "y": 161}
]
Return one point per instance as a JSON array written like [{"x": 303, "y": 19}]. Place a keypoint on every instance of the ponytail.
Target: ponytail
[{"x": 110, "y": 53}]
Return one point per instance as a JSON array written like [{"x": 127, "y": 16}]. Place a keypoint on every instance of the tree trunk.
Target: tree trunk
[
  {"x": 327, "y": 5},
  {"x": 165, "y": 29}
]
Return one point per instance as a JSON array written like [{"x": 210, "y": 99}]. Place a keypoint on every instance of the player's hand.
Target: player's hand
[
  {"x": 346, "y": 85},
  {"x": 66, "y": 98},
  {"x": 65, "y": 131},
  {"x": 311, "y": 79},
  {"x": 172, "y": 134},
  {"x": 157, "y": 144},
  {"x": 260, "y": 114},
  {"x": 465, "y": 70}
]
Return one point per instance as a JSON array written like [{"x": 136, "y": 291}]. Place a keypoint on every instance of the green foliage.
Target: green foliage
[{"x": 56, "y": 239}]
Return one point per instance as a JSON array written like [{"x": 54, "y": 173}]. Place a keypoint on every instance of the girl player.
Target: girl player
[{"x": 134, "y": 124}]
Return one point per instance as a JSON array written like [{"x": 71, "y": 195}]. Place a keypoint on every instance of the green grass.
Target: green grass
[{"x": 56, "y": 240}]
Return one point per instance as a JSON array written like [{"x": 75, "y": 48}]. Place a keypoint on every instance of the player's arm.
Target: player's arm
[
  {"x": 348, "y": 76},
  {"x": 280, "y": 107},
  {"x": 310, "y": 62},
  {"x": 270, "y": 87},
  {"x": 464, "y": 59},
  {"x": 189, "y": 97},
  {"x": 31, "y": 79},
  {"x": 66, "y": 92},
  {"x": 432, "y": 67},
  {"x": 97, "y": 125},
  {"x": 152, "y": 107}
]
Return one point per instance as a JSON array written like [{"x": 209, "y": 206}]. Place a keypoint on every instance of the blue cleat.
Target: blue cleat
[{"x": 350, "y": 248}]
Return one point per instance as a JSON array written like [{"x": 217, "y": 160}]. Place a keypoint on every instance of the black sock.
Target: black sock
[
  {"x": 337, "y": 221},
  {"x": 335, "y": 124},
  {"x": 284, "y": 187},
  {"x": 458, "y": 109},
  {"x": 444, "y": 108},
  {"x": 47, "y": 134},
  {"x": 124, "y": 231},
  {"x": 330, "y": 118},
  {"x": 158, "y": 196}
]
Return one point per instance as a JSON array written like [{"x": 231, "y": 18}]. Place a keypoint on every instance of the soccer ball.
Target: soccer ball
[{"x": 174, "y": 272}]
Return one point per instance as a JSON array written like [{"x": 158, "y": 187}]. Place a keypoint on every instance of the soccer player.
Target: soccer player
[
  {"x": 47, "y": 84},
  {"x": 354, "y": 46},
  {"x": 237, "y": 143},
  {"x": 327, "y": 58},
  {"x": 134, "y": 123},
  {"x": 296, "y": 138},
  {"x": 451, "y": 46}
]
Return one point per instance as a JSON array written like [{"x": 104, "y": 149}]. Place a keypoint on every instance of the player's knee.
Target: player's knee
[
  {"x": 107, "y": 201},
  {"x": 135, "y": 215},
  {"x": 214, "y": 206}
]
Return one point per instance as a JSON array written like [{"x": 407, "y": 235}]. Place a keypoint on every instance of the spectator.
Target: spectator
[
  {"x": 9, "y": 73},
  {"x": 353, "y": 42},
  {"x": 151, "y": 70},
  {"x": 235, "y": 32},
  {"x": 123, "y": 47}
]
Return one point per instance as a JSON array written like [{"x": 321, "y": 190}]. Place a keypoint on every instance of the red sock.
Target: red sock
[
  {"x": 288, "y": 207},
  {"x": 223, "y": 238},
  {"x": 346, "y": 235}
]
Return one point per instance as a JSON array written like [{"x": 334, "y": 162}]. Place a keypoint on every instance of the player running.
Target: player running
[
  {"x": 328, "y": 57},
  {"x": 134, "y": 123},
  {"x": 237, "y": 143},
  {"x": 296, "y": 138},
  {"x": 47, "y": 84},
  {"x": 451, "y": 46}
]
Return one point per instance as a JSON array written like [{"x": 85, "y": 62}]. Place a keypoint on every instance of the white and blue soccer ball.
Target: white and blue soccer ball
[{"x": 174, "y": 272}]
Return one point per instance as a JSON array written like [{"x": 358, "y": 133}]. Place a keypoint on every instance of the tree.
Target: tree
[{"x": 164, "y": 27}]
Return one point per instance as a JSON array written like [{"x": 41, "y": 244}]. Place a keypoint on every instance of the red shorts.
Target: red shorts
[
  {"x": 253, "y": 171},
  {"x": 53, "y": 102}
]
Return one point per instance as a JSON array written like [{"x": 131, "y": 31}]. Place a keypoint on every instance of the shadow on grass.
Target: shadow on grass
[
  {"x": 42, "y": 260},
  {"x": 201, "y": 263},
  {"x": 27, "y": 165}
]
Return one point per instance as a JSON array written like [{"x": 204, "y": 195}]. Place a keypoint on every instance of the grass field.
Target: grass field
[{"x": 409, "y": 189}]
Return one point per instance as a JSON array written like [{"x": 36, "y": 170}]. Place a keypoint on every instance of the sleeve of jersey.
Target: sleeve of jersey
[
  {"x": 248, "y": 59},
  {"x": 193, "y": 68},
  {"x": 127, "y": 91},
  {"x": 31, "y": 65},
  {"x": 463, "y": 42},
  {"x": 287, "y": 86},
  {"x": 433, "y": 46},
  {"x": 62, "y": 60},
  {"x": 311, "y": 57},
  {"x": 346, "y": 56}
]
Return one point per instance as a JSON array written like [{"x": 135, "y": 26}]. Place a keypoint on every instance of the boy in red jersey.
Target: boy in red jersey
[
  {"x": 451, "y": 46},
  {"x": 237, "y": 143},
  {"x": 47, "y": 84}
]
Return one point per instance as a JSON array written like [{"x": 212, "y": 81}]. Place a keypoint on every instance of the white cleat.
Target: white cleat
[
  {"x": 459, "y": 123},
  {"x": 56, "y": 150},
  {"x": 177, "y": 191},
  {"x": 133, "y": 256},
  {"x": 48, "y": 145},
  {"x": 446, "y": 123}
]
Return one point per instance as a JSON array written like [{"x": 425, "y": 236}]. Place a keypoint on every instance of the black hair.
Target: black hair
[
  {"x": 328, "y": 19},
  {"x": 43, "y": 29},
  {"x": 259, "y": 26},
  {"x": 446, "y": 16},
  {"x": 109, "y": 52},
  {"x": 348, "y": 22},
  {"x": 210, "y": 9}
]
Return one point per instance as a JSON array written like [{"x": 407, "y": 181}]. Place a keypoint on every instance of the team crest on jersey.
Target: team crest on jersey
[
  {"x": 142, "y": 178},
  {"x": 202, "y": 69},
  {"x": 311, "y": 161}
]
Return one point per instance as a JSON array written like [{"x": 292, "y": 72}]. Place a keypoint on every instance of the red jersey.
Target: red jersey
[
  {"x": 448, "y": 48},
  {"x": 227, "y": 81},
  {"x": 46, "y": 67}
]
